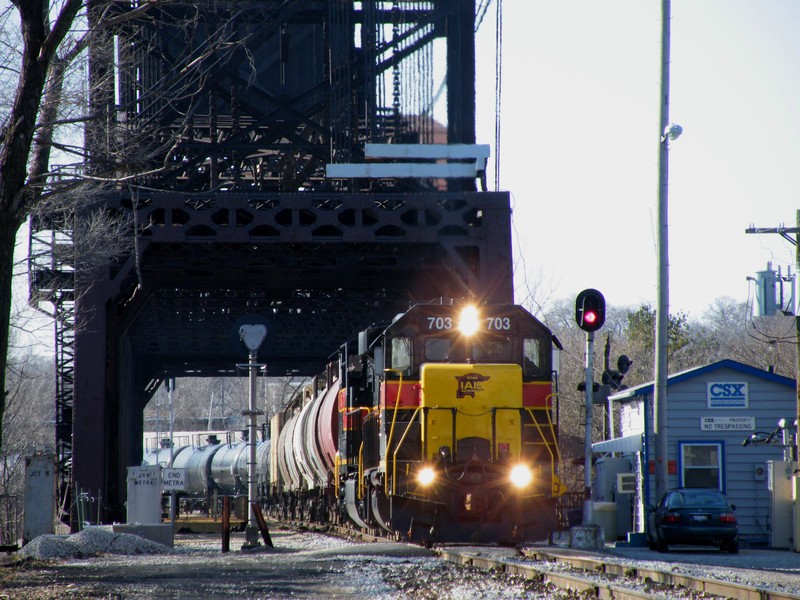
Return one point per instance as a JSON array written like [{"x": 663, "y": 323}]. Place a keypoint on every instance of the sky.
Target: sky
[{"x": 580, "y": 135}]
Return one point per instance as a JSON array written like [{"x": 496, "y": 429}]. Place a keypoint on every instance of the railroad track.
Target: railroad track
[
  {"x": 601, "y": 578},
  {"x": 596, "y": 577}
]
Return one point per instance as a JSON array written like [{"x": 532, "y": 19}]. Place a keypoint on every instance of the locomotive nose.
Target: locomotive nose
[{"x": 474, "y": 504}]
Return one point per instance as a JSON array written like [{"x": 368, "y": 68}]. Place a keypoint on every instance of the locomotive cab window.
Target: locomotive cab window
[
  {"x": 401, "y": 359},
  {"x": 533, "y": 362},
  {"x": 492, "y": 350},
  {"x": 438, "y": 349}
]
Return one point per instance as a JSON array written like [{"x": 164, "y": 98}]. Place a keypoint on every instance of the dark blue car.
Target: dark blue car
[{"x": 693, "y": 516}]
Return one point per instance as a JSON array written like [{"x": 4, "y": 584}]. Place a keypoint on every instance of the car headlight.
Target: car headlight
[
  {"x": 520, "y": 476},
  {"x": 426, "y": 476}
]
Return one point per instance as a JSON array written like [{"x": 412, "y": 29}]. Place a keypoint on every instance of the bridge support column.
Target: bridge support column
[{"x": 91, "y": 432}]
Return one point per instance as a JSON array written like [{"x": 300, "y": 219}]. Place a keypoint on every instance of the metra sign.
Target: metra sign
[{"x": 727, "y": 394}]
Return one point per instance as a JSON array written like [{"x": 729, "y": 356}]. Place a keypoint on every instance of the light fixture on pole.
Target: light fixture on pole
[{"x": 671, "y": 133}]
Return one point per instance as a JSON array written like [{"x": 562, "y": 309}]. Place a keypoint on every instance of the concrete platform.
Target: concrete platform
[{"x": 587, "y": 537}]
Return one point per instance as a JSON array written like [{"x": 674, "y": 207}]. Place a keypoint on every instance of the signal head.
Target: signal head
[{"x": 590, "y": 310}]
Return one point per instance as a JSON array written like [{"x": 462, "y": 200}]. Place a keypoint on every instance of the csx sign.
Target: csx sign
[{"x": 727, "y": 394}]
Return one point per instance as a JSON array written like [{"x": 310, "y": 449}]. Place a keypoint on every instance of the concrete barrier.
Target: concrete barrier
[
  {"x": 159, "y": 533},
  {"x": 587, "y": 537}
]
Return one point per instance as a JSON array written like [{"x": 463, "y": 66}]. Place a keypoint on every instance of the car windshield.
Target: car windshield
[{"x": 697, "y": 498}]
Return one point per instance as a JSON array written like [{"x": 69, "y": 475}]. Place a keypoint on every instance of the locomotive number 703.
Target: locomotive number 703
[
  {"x": 492, "y": 323},
  {"x": 440, "y": 323},
  {"x": 498, "y": 323}
]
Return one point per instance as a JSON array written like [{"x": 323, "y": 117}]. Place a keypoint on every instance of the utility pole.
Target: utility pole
[
  {"x": 666, "y": 133},
  {"x": 785, "y": 233}
]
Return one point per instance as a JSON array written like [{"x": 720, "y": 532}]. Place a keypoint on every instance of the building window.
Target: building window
[{"x": 700, "y": 465}]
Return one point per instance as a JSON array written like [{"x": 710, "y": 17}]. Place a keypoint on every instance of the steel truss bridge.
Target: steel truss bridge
[{"x": 216, "y": 121}]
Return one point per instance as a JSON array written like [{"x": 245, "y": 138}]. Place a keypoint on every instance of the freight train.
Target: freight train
[{"x": 440, "y": 426}]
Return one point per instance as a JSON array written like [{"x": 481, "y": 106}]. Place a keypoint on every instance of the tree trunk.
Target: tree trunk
[
  {"x": 19, "y": 190},
  {"x": 8, "y": 234}
]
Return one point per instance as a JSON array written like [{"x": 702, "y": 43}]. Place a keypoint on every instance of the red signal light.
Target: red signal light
[{"x": 590, "y": 310}]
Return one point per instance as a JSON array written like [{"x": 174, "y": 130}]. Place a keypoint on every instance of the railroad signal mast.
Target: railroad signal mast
[{"x": 590, "y": 315}]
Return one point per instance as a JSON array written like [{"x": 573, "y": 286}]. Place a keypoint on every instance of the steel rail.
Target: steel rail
[
  {"x": 603, "y": 578},
  {"x": 621, "y": 582}
]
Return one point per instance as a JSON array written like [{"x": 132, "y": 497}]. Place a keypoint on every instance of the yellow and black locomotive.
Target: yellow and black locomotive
[{"x": 447, "y": 426}]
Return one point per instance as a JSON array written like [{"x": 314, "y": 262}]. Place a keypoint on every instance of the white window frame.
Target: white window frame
[{"x": 682, "y": 468}]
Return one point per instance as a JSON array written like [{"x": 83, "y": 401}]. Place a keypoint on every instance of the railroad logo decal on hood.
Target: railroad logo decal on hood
[{"x": 469, "y": 384}]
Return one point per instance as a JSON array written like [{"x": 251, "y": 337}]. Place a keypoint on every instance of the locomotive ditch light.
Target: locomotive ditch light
[
  {"x": 520, "y": 476},
  {"x": 426, "y": 476},
  {"x": 469, "y": 321}
]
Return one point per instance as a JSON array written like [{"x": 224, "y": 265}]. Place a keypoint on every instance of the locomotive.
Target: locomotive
[
  {"x": 441, "y": 426},
  {"x": 438, "y": 427}
]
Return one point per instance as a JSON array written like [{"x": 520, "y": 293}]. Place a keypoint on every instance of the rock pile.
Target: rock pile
[{"x": 92, "y": 541}]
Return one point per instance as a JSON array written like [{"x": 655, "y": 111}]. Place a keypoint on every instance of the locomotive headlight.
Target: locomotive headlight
[
  {"x": 521, "y": 476},
  {"x": 469, "y": 321},
  {"x": 426, "y": 476}
]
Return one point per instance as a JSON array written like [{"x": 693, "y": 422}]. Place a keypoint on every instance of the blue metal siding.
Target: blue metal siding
[{"x": 769, "y": 398}]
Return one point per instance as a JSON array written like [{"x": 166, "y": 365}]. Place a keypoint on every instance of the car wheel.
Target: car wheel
[
  {"x": 733, "y": 547},
  {"x": 651, "y": 544},
  {"x": 661, "y": 545}
]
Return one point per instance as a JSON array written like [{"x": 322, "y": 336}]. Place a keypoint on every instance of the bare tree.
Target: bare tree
[
  {"x": 24, "y": 149},
  {"x": 729, "y": 330},
  {"x": 28, "y": 427},
  {"x": 66, "y": 139}
]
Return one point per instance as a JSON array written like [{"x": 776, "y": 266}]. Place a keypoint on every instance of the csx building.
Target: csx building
[{"x": 731, "y": 427}]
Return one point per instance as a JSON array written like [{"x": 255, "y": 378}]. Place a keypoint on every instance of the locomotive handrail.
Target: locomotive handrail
[
  {"x": 552, "y": 427},
  {"x": 336, "y": 464},
  {"x": 397, "y": 449},
  {"x": 361, "y": 471},
  {"x": 541, "y": 433},
  {"x": 557, "y": 456},
  {"x": 394, "y": 419}
]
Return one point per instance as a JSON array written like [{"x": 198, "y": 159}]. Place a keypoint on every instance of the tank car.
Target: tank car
[
  {"x": 440, "y": 426},
  {"x": 215, "y": 468},
  {"x": 304, "y": 438}
]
